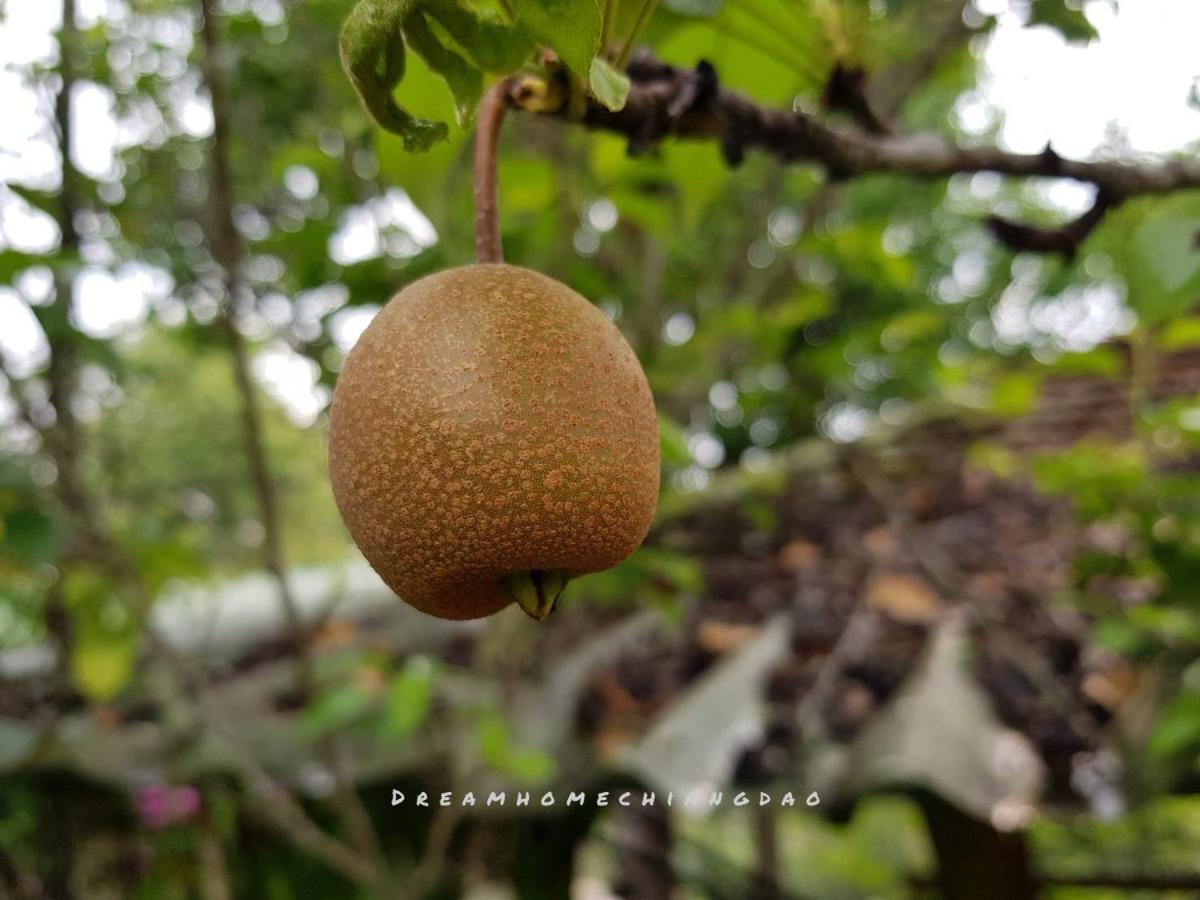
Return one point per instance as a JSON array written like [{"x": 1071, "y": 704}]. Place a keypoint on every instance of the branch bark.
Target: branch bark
[
  {"x": 669, "y": 102},
  {"x": 228, "y": 251}
]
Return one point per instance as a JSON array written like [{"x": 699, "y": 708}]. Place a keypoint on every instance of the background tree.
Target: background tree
[{"x": 783, "y": 209}]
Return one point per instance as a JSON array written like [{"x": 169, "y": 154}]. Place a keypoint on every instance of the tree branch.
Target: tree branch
[
  {"x": 668, "y": 102},
  {"x": 228, "y": 251},
  {"x": 1064, "y": 239}
]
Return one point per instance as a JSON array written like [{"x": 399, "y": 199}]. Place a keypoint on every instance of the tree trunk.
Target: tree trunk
[
  {"x": 644, "y": 840},
  {"x": 766, "y": 845},
  {"x": 975, "y": 861}
]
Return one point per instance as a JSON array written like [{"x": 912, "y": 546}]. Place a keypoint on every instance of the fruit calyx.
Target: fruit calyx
[{"x": 536, "y": 591}]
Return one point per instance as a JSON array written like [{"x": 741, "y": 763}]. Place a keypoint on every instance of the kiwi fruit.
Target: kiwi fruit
[{"x": 492, "y": 435}]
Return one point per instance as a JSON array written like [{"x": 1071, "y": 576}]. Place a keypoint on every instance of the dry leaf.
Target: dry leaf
[
  {"x": 905, "y": 598},
  {"x": 721, "y": 637},
  {"x": 798, "y": 556}
]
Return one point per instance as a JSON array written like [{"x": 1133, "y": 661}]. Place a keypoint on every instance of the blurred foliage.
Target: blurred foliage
[{"x": 767, "y": 305}]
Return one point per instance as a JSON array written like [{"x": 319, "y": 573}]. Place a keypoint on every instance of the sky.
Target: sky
[{"x": 1126, "y": 92}]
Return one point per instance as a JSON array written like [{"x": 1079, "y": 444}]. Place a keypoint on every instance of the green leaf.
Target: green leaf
[
  {"x": 492, "y": 736},
  {"x": 101, "y": 665},
  {"x": 337, "y": 709},
  {"x": 464, "y": 80},
  {"x": 1178, "y": 729},
  {"x": 805, "y": 306},
  {"x": 530, "y": 765},
  {"x": 909, "y": 327},
  {"x": 489, "y": 43},
  {"x": 408, "y": 699},
  {"x": 1180, "y": 333},
  {"x": 45, "y": 201},
  {"x": 1168, "y": 239},
  {"x": 495, "y": 745},
  {"x": 702, "y": 9},
  {"x": 1072, "y": 24},
  {"x": 673, "y": 444},
  {"x": 106, "y": 637},
  {"x": 608, "y": 85},
  {"x": 31, "y": 535},
  {"x": 13, "y": 262},
  {"x": 1015, "y": 393},
  {"x": 1102, "y": 360},
  {"x": 571, "y": 28},
  {"x": 372, "y": 49},
  {"x": 1161, "y": 263}
]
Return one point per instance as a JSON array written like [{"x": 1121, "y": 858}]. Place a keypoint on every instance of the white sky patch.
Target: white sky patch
[
  {"x": 195, "y": 116},
  {"x": 292, "y": 380},
  {"x": 347, "y": 326},
  {"x": 357, "y": 238},
  {"x": 25, "y": 152},
  {"x": 301, "y": 182},
  {"x": 390, "y": 223},
  {"x": 108, "y": 306},
  {"x": 846, "y": 423},
  {"x": 1075, "y": 321},
  {"x": 1137, "y": 76},
  {"x": 24, "y": 227},
  {"x": 94, "y": 139},
  {"x": 22, "y": 340},
  {"x": 28, "y": 34},
  {"x": 706, "y": 449}
]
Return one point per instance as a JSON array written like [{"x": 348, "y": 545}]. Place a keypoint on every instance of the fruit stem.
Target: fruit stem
[
  {"x": 536, "y": 591},
  {"x": 488, "y": 248}
]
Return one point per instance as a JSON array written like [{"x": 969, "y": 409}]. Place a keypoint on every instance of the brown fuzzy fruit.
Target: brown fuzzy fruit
[{"x": 492, "y": 434}]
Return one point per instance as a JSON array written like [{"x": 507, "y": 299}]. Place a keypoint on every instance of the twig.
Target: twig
[
  {"x": 210, "y": 860},
  {"x": 1064, "y": 239},
  {"x": 643, "y": 17},
  {"x": 433, "y": 859},
  {"x": 861, "y": 629},
  {"x": 846, "y": 90},
  {"x": 610, "y": 9}
]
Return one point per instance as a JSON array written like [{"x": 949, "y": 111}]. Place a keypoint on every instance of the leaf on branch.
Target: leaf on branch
[
  {"x": 465, "y": 81},
  {"x": 372, "y": 48},
  {"x": 45, "y": 201},
  {"x": 1156, "y": 245},
  {"x": 490, "y": 44},
  {"x": 337, "y": 709},
  {"x": 106, "y": 638},
  {"x": 609, "y": 86},
  {"x": 571, "y": 28},
  {"x": 1072, "y": 24},
  {"x": 13, "y": 262}
]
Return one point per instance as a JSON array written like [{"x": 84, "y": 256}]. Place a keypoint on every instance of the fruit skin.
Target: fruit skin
[{"x": 491, "y": 421}]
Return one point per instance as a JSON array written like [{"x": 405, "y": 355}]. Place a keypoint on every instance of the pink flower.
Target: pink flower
[{"x": 163, "y": 805}]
